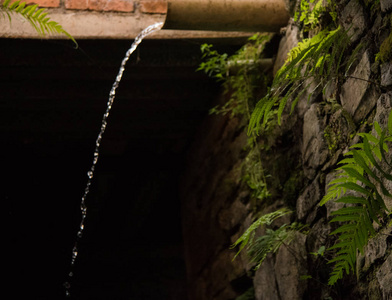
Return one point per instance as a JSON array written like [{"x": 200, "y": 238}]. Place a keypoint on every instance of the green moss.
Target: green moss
[
  {"x": 333, "y": 138},
  {"x": 385, "y": 53}
]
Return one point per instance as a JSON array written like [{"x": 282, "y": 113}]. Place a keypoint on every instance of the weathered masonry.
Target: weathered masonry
[{"x": 170, "y": 195}]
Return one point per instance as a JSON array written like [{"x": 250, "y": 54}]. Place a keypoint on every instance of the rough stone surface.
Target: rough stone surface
[
  {"x": 312, "y": 141},
  {"x": 386, "y": 74},
  {"x": 289, "y": 41},
  {"x": 290, "y": 265},
  {"x": 331, "y": 205},
  {"x": 265, "y": 282},
  {"x": 376, "y": 249},
  {"x": 384, "y": 107},
  {"x": 314, "y": 148},
  {"x": 318, "y": 235},
  {"x": 386, "y": 5},
  {"x": 384, "y": 276},
  {"x": 354, "y": 20},
  {"x": 356, "y": 98},
  {"x": 308, "y": 199}
]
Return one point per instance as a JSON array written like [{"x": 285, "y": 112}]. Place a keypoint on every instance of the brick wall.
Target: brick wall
[{"x": 121, "y": 6}]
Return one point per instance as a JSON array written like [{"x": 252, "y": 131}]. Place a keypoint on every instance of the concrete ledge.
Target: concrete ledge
[{"x": 107, "y": 25}]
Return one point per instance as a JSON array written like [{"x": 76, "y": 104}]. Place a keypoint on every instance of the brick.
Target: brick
[
  {"x": 153, "y": 7},
  {"x": 119, "y": 5},
  {"x": 97, "y": 4},
  {"x": 76, "y": 4},
  {"x": 43, "y": 3},
  {"x": 101, "y": 5}
]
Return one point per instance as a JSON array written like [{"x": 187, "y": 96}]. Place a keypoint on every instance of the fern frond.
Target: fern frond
[
  {"x": 318, "y": 58},
  {"x": 36, "y": 17},
  {"x": 272, "y": 241},
  {"x": 358, "y": 175},
  {"x": 248, "y": 236}
]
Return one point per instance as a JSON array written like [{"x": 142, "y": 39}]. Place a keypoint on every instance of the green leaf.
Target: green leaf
[
  {"x": 348, "y": 211},
  {"x": 355, "y": 187},
  {"x": 377, "y": 128},
  {"x": 355, "y": 174},
  {"x": 344, "y": 228},
  {"x": 345, "y": 218},
  {"x": 352, "y": 199}
]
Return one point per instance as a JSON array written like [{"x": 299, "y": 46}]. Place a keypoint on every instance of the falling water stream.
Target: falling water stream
[{"x": 90, "y": 174}]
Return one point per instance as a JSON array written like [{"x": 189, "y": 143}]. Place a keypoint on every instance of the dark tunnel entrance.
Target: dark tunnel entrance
[{"x": 53, "y": 98}]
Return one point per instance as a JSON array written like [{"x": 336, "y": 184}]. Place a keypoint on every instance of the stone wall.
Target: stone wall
[{"x": 300, "y": 159}]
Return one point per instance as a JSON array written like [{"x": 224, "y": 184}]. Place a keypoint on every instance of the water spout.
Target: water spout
[
  {"x": 226, "y": 15},
  {"x": 90, "y": 174}
]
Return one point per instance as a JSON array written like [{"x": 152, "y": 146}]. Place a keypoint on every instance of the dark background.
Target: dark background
[{"x": 52, "y": 101}]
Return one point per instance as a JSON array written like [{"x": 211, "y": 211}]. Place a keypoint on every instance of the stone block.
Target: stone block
[
  {"x": 384, "y": 107},
  {"x": 289, "y": 41},
  {"x": 358, "y": 97},
  {"x": 309, "y": 199},
  {"x": 386, "y": 74},
  {"x": 375, "y": 249},
  {"x": 314, "y": 148},
  {"x": 331, "y": 205},
  {"x": 354, "y": 20},
  {"x": 318, "y": 236},
  {"x": 384, "y": 277},
  {"x": 265, "y": 282},
  {"x": 290, "y": 265},
  {"x": 386, "y": 5}
]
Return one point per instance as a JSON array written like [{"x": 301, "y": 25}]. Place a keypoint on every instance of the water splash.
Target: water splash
[{"x": 90, "y": 174}]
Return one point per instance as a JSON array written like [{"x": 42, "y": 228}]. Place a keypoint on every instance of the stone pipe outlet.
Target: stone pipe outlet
[{"x": 226, "y": 15}]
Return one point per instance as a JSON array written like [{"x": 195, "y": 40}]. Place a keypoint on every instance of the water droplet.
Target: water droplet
[
  {"x": 74, "y": 252},
  {"x": 90, "y": 174}
]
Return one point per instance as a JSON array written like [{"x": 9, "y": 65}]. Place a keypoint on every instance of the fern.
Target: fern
[
  {"x": 241, "y": 84},
  {"x": 309, "y": 17},
  {"x": 38, "y": 18},
  {"x": 270, "y": 242},
  {"x": 248, "y": 236},
  {"x": 318, "y": 59},
  {"x": 360, "y": 186}
]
